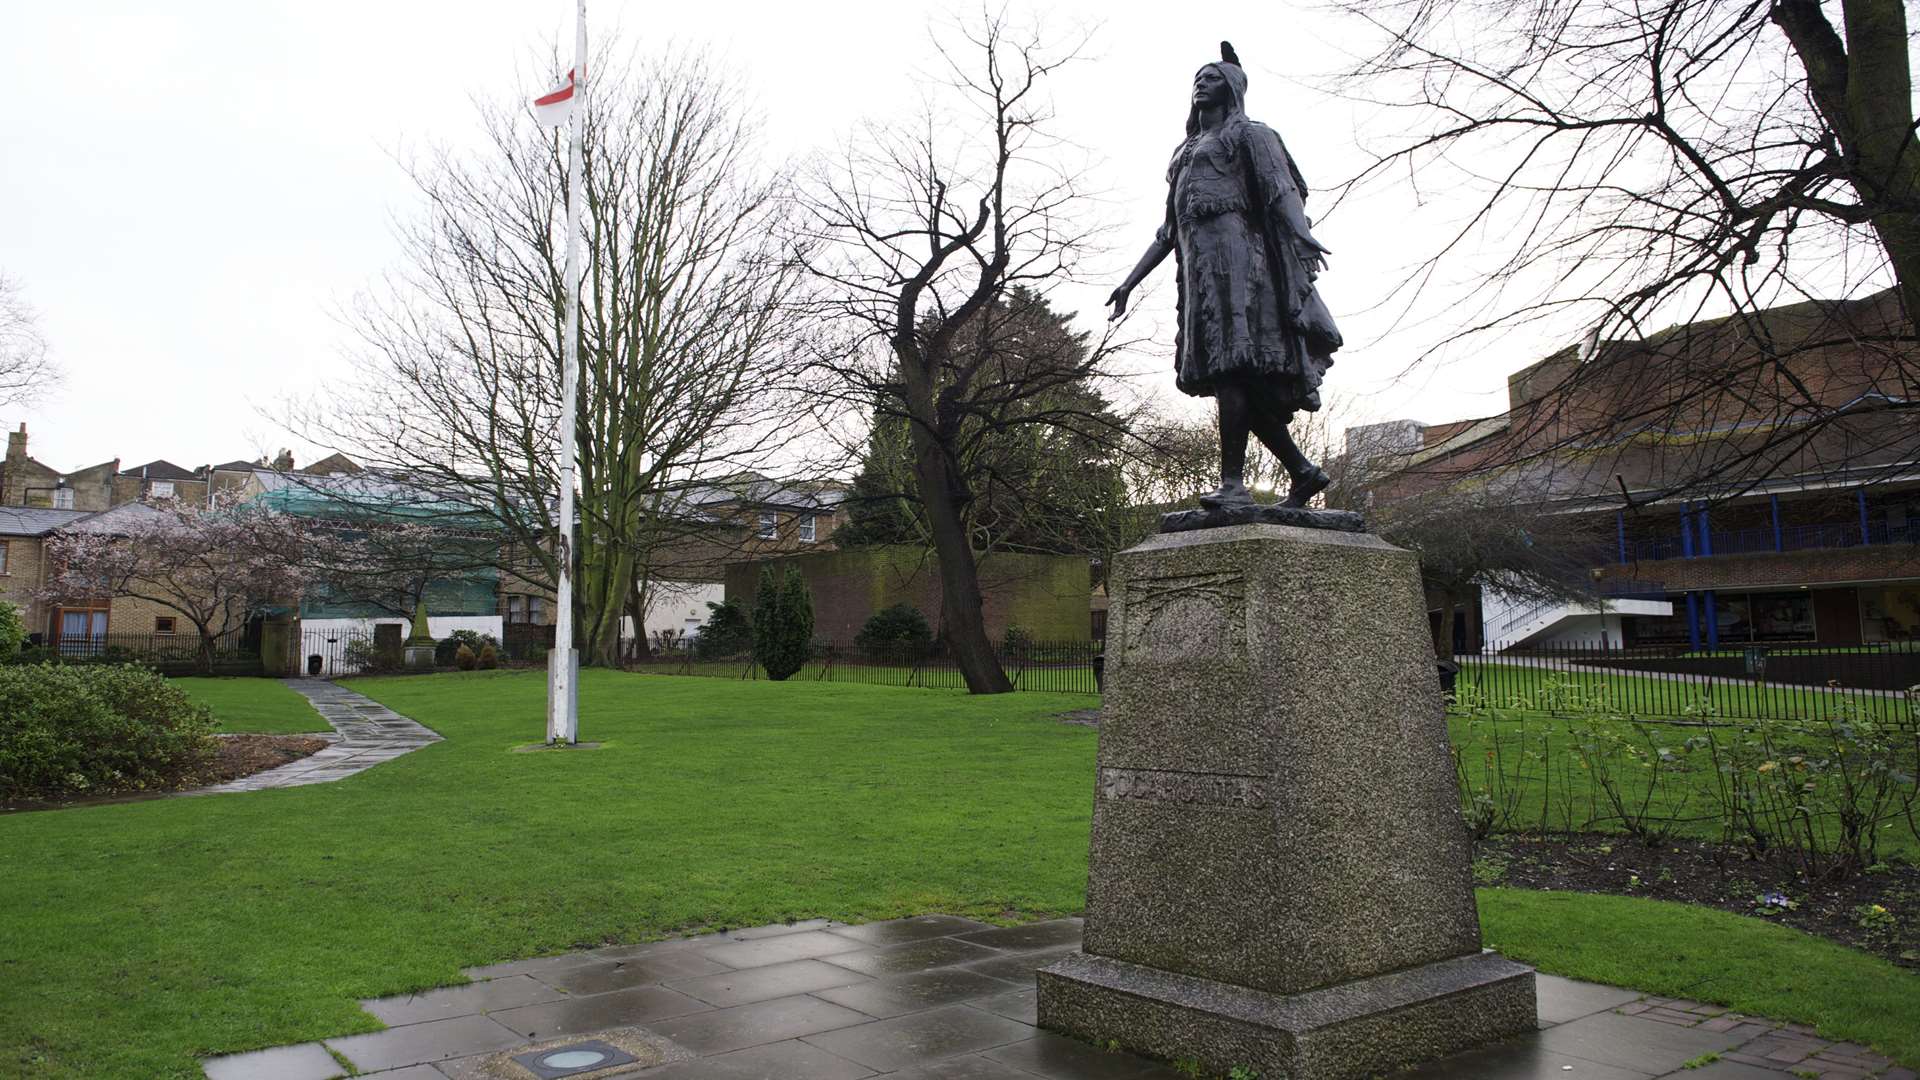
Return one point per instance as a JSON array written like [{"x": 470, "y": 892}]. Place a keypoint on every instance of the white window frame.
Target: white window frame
[
  {"x": 63, "y": 498},
  {"x": 807, "y": 532},
  {"x": 769, "y": 525},
  {"x": 3, "y": 558}
]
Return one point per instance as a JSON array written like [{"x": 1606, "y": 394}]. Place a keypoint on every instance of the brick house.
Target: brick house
[
  {"x": 23, "y": 535},
  {"x": 1810, "y": 533}
]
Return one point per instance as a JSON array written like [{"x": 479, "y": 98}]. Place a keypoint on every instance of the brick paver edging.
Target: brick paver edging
[{"x": 366, "y": 733}]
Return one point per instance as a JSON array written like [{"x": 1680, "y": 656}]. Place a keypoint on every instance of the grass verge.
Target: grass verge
[
  {"x": 253, "y": 706},
  {"x": 1681, "y": 950}
]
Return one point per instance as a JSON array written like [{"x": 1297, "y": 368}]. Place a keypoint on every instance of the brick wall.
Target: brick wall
[
  {"x": 1047, "y": 595},
  {"x": 1787, "y": 569},
  {"x": 22, "y": 578}
]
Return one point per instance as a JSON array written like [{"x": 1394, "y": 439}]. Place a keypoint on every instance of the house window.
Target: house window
[
  {"x": 806, "y": 529},
  {"x": 3, "y": 558},
  {"x": 63, "y": 498},
  {"x": 526, "y": 609},
  {"x": 81, "y": 631},
  {"x": 161, "y": 489},
  {"x": 163, "y": 624},
  {"x": 769, "y": 525}
]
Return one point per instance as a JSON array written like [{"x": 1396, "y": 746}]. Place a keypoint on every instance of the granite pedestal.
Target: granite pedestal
[{"x": 1279, "y": 876}]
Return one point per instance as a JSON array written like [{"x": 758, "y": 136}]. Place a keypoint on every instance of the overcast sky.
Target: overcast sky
[{"x": 192, "y": 191}]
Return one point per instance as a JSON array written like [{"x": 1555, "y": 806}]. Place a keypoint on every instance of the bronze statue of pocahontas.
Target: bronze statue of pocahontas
[{"x": 1253, "y": 333}]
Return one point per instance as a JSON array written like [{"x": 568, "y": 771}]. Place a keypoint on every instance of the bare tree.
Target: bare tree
[
  {"x": 1621, "y": 166},
  {"x": 682, "y": 342},
  {"x": 919, "y": 238},
  {"x": 26, "y": 371},
  {"x": 213, "y": 565}
]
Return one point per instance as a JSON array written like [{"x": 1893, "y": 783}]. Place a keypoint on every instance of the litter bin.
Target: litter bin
[
  {"x": 1448, "y": 672},
  {"x": 1756, "y": 660},
  {"x": 314, "y": 664}
]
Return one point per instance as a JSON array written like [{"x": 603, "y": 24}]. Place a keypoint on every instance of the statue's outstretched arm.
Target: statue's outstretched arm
[{"x": 1156, "y": 253}]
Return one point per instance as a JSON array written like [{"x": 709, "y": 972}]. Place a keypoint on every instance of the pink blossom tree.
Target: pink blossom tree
[{"x": 214, "y": 566}]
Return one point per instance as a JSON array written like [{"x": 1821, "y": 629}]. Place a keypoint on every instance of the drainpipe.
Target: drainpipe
[{"x": 1779, "y": 543}]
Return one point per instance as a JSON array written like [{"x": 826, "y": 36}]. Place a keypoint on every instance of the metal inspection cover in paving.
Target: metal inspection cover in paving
[{"x": 936, "y": 997}]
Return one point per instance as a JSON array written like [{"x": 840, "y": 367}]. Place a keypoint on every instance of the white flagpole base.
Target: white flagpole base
[{"x": 563, "y": 697}]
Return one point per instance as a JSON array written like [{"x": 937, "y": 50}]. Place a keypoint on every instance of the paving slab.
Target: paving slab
[
  {"x": 304, "y": 1061},
  {"x": 742, "y": 1026},
  {"x": 1053, "y": 933},
  {"x": 1633, "y": 1043},
  {"x": 766, "y": 983},
  {"x": 1524, "y": 1059},
  {"x": 1019, "y": 967},
  {"x": 1060, "y": 1058},
  {"x": 920, "y": 1038},
  {"x": 1021, "y": 1005},
  {"x": 618, "y": 974},
  {"x": 761, "y": 952},
  {"x": 1561, "y": 1000},
  {"x": 787, "y": 1060},
  {"x": 459, "y": 1000},
  {"x": 579, "y": 1015},
  {"x": 896, "y": 931},
  {"x": 1727, "y": 1070},
  {"x": 967, "y": 1067},
  {"x": 897, "y": 995},
  {"x": 417, "y": 1044},
  {"x": 912, "y": 956}
]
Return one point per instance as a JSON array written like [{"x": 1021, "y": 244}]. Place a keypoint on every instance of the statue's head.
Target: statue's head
[{"x": 1221, "y": 85}]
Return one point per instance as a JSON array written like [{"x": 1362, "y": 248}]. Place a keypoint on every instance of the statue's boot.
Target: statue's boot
[
  {"x": 1306, "y": 485},
  {"x": 1232, "y": 492}
]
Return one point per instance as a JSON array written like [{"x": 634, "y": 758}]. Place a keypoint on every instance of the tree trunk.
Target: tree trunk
[
  {"x": 960, "y": 601},
  {"x": 1449, "y": 619},
  {"x": 206, "y": 652}
]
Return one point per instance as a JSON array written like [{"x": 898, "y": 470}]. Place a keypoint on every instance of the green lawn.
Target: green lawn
[
  {"x": 254, "y": 706},
  {"x": 1526, "y": 762},
  {"x": 136, "y": 937}
]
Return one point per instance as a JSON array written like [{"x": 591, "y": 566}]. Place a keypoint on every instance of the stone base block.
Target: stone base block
[{"x": 1351, "y": 1031}]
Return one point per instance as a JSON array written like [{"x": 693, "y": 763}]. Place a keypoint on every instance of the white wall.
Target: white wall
[
  {"x": 678, "y": 605},
  {"x": 439, "y": 626}
]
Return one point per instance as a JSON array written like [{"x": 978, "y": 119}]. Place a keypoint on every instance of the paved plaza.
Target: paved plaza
[{"x": 937, "y": 997}]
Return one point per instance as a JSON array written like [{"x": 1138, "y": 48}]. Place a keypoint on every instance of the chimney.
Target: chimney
[{"x": 17, "y": 444}]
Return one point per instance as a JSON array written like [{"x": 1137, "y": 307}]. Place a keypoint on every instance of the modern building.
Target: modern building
[{"x": 1744, "y": 495}]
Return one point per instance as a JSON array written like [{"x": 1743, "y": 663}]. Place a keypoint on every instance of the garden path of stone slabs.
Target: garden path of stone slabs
[
  {"x": 366, "y": 733},
  {"x": 936, "y": 997}
]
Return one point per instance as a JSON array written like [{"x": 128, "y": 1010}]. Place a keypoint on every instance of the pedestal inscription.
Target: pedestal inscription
[{"x": 1279, "y": 875}]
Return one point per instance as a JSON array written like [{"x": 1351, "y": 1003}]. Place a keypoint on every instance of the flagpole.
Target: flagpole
[{"x": 563, "y": 701}]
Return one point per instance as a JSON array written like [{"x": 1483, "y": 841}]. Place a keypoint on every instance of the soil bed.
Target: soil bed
[
  {"x": 1714, "y": 875},
  {"x": 235, "y": 757}
]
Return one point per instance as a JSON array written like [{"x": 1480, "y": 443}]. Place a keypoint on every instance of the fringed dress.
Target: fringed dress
[{"x": 1248, "y": 309}]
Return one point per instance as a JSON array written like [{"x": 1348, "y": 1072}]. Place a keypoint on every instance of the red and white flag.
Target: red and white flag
[{"x": 553, "y": 108}]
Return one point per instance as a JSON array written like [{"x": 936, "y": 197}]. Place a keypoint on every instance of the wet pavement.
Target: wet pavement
[{"x": 936, "y": 997}]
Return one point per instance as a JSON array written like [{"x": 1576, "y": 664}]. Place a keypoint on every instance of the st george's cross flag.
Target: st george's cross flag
[{"x": 554, "y": 107}]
